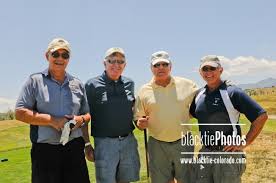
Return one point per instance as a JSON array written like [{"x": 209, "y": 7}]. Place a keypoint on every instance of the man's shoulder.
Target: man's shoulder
[
  {"x": 233, "y": 89},
  {"x": 36, "y": 75},
  {"x": 181, "y": 80},
  {"x": 75, "y": 81},
  {"x": 74, "y": 78},
  {"x": 145, "y": 87},
  {"x": 95, "y": 80},
  {"x": 126, "y": 79}
]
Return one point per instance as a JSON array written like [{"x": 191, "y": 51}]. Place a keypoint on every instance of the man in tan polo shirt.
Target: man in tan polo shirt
[{"x": 162, "y": 105}]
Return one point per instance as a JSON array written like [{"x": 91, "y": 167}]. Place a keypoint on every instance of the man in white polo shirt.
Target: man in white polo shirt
[{"x": 162, "y": 105}]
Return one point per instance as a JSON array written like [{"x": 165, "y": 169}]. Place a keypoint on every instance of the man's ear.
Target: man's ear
[
  {"x": 151, "y": 67},
  {"x": 221, "y": 70},
  {"x": 47, "y": 55}
]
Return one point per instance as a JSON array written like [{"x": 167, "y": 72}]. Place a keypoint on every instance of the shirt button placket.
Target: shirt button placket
[{"x": 60, "y": 99}]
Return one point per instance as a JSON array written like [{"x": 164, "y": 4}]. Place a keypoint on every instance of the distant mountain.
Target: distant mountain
[{"x": 269, "y": 82}]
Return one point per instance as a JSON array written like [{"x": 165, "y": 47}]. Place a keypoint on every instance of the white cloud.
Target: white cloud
[
  {"x": 6, "y": 104},
  {"x": 248, "y": 66},
  {"x": 244, "y": 70}
]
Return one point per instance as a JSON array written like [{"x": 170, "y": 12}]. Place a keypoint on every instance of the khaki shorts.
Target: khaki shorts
[{"x": 164, "y": 161}]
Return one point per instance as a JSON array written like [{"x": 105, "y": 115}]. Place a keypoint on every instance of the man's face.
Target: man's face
[
  {"x": 58, "y": 60},
  {"x": 114, "y": 65},
  {"x": 161, "y": 70},
  {"x": 211, "y": 74}
]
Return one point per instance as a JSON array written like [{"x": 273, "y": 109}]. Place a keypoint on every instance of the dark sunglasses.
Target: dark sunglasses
[
  {"x": 206, "y": 69},
  {"x": 64, "y": 55},
  {"x": 120, "y": 62},
  {"x": 159, "y": 64}
]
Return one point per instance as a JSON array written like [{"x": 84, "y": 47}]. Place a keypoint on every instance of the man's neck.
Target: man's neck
[
  {"x": 112, "y": 78},
  {"x": 214, "y": 86},
  {"x": 58, "y": 76},
  {"x": 163, "y": 82}
]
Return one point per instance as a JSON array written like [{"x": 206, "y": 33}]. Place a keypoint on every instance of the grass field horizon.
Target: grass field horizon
[{"x": 15, "y": 146}]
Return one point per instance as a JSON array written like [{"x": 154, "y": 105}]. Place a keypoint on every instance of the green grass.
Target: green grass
[
  {"x": 267, "y": 102},
  {"x": 15, "y": 146},
  {"x": 18, "y": 168},
  {"x": 15, "y": 137}
]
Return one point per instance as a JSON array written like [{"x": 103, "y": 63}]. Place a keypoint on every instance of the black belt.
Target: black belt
[
  {"x": 120, "y": 136},
  {"x": 214, "y": 148}
]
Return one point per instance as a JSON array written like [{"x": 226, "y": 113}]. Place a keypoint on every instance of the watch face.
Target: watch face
[{"x": 72, "y": 125}]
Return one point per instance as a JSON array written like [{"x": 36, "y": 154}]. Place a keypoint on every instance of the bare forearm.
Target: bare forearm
[
  {"x": 86, "y": 118},
  {"x": 32, "y": 117},
  {"x": 255, "y": 128},
  {"x": 84, "y": 128},
  {"x": 85, "y": 133}
]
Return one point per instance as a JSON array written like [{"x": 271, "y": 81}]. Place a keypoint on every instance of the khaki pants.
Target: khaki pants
[
  {"x": 164, "y": 161},
  {"x": 223, "y": 168}
]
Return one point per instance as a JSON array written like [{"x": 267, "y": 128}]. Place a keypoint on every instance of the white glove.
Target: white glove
[{"x": 66, "y": 132}]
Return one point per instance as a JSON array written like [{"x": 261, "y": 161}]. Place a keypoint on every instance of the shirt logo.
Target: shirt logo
[
  {"x": 74, "y": 87},
  {"x": 215, "y": 103}
]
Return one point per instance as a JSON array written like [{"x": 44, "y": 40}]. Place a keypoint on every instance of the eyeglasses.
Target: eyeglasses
[
  {"x": 206, "y": 69},
  {"x": 64, "y": 55},
  {"x": 159, "y": 64},
  {"x": 120, "y": 62}
]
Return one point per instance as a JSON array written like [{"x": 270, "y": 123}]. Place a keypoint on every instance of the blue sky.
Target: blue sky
[{"x": 241, "y": 32}]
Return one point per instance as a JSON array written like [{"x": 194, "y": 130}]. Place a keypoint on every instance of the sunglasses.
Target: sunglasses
[
  {"x": 64, "y": 55},
  {"x": 120, "y": 62},
  {"x": 206, "y": 69},
  {"x": 159, "y": 64}
]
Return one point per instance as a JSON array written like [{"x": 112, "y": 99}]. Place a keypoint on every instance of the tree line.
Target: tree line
[{"x": 9, "y": 115}]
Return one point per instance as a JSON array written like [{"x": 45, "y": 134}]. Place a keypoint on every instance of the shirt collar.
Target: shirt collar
[
  {"x": 221, "y": 86},
  {"x": 154, "y": 85},
  {"x": 108, "y": 80},
  {"x": 68, "y": 77}
]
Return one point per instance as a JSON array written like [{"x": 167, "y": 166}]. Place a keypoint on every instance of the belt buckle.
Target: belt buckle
[{"x": 121, "y": 138}]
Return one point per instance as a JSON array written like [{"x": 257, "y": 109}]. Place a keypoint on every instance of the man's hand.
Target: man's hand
[
  {"x": 234, "y": 148},
  {"x": 89, "y": 153},
  {"x": 143, "y": 122},
  {"x": 79, "y": 120},
  {"x": 58, "y": 123}
]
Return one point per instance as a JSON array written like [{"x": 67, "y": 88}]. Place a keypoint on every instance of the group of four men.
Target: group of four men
[{"x": 51, "y": 98}]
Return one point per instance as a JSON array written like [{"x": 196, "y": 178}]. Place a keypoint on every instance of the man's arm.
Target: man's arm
[
  {"x": 255, "y": 129},
  {"x": 86, "y": 119},
  {"x": 35, "y": 118},
  {"x": 89, "y": 95},
  {"x": 142, "y": 123},
  {"x": 89, "y": 151}
]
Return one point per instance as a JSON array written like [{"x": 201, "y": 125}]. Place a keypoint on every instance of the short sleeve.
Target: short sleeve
[
  {"x": 139, "y": 110},
  {"x": 90, "y": 95},
  {"x": 246, "y": 105},
  {"x": 192, "y": 108},
  {"x": 193, "y": 91},
  {"x": 84, "y": 103},
  {"x": 26, "y": 97}
]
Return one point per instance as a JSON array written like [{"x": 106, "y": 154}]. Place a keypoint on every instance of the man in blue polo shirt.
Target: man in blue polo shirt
[
  {"x": 47, "y": 101},
  {"x": 217, "y": 107},
  {"x": 111, "y": 98}
]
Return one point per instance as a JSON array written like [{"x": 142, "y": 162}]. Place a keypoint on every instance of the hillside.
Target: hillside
[
  {"x": 266, "y": 97},
  {"x": 266, "y": 83}
]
